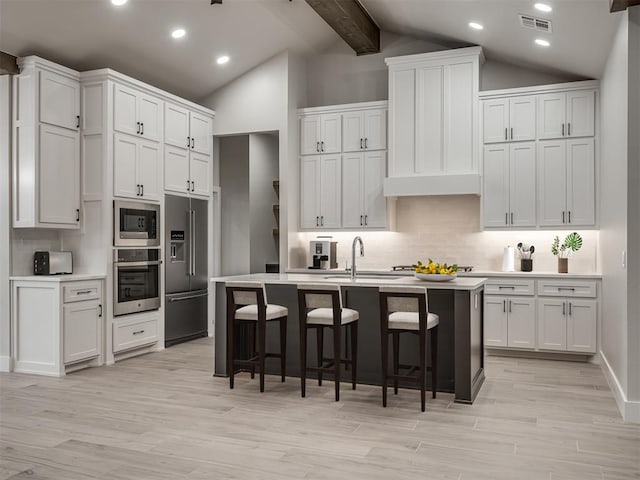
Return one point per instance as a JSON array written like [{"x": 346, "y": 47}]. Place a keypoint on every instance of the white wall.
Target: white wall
[
  {"x": 613, "y": 205},
  {"x": 339, "y": 76},
  {"x": 633, "y": 179},
  {"x": 263, "y": 169},
  {"x": 447, "y": 229},
  {"x": 5, "y": 220},
  {"x": 235, "y": 220}
]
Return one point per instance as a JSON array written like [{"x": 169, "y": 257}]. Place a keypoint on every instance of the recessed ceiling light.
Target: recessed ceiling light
[
  {"x": 178, "y": 33},
  {"x": 543, "y": 7},
  {"x": 475, "y": 25},
  {"x": 542, "y": 43},
  {"x": 119, "y": 3},
  {"x": 223, "y": 59}
]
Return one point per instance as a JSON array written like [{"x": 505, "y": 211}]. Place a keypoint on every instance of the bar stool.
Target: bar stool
[
  {"x": 247, "y": 304},
  {"x": 321, "y": 307},
  {"x": 405, "y": 310}
]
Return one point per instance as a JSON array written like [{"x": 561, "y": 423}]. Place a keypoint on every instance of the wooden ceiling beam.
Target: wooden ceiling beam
[
  {"x": 8, "y": 64},
  {"x": 351, "y": 22},
  {"x": 620, "y": 5}
]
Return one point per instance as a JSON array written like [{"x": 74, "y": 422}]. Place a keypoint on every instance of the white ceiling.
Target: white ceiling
[{"x": 135, "y": 39}]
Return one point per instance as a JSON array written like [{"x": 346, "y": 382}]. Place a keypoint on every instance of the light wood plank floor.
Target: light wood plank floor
[{"x": 162, "y": 416}]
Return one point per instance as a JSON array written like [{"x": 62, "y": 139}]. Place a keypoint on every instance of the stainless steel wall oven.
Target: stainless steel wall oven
[{"x": 136, "y": 274}]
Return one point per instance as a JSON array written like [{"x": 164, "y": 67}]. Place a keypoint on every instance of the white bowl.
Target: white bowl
[{"x": 435, "y": 277}]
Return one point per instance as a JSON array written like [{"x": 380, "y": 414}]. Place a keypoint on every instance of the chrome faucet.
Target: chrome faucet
[{"x": 353, "y": 255}]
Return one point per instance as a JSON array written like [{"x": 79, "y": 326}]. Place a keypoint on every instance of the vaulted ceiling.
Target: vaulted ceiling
[{"x": 135, "y": 38}]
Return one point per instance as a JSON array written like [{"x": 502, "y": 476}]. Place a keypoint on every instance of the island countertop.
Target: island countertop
[{"x": 363, "y": 280}]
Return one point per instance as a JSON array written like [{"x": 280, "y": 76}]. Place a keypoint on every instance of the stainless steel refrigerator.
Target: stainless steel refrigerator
[{"x": 185, "y": 269}]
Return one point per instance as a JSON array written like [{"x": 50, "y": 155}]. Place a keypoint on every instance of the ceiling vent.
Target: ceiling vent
[{"x": 539, "y": 24}]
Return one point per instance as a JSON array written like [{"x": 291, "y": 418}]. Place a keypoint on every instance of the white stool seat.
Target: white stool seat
[
  {"x": 250, "y": 312},
  {"x": 324, "y": 316},
  {"x": 410, "y": 320}
]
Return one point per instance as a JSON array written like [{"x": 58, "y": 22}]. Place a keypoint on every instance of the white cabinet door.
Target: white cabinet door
[
  {"x": 59, "y": 100},
  {"x": 581, "y": 202},
  {"x": 402, "y": 121},
  {"x": 581, "y": 326},
  {"x": 81, "y": 331},
  {"x": 125, "y": 110},
  {"x": 375, "y": 129},
  {"x": 552, "y": 183},
  {"x": 148, "y": 170},
  {"x": 125, "y": 158},
  {"x": 581, "y": 114},
  {"x": 200, "y": 173},
  {"x": 495, "y": 321},
  {"x": 426, "y": 119},
  {"x": 309, "y": 134},
  {"x": 331, "y": 136},
  {"x": 375, "y": 203},
  {"x": 522, "y": 118},
  {"x": 176, "y": 126},
  {"x": 551, "y": 115},
  {"x": 552, "y": 324},
  {"x": 59, "y": 174},
  {"x": 521, "y": 324},
  {"x": 176, "y": 170},
  {"x": 150, "y": 117},
  {"x": 495, "y": 120},
  {"x": 201, "y": 133},
  {"x": 310, "y": 192},
  {"x": 522, "y": 173},
  {"x": 353, "y": 132},
  {"x": 495, "y": 197},
  {"x": 460, "y": 112},
  {"x": 352, "y": 190},
  {"x": 330, "y": 191}
]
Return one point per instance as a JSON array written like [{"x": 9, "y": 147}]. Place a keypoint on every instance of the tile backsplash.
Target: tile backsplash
[
  {"x": 26, "y": 241},
  {"x": 447, "y": 229}
]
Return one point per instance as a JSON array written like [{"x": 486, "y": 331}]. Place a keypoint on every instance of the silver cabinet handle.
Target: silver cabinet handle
[
  {"x": 510, "y": 287},
  {"x": 506, "y": 133},
  {"x": 366, "y": 143},
  {"x": 573, "y": 289},
  {"x": 138, "y": 131},
  {"x": 568, "y": 135},
  {"x": 366, "y": 219},
  {"x": 506, "y": 218},
  {"x": 569, "y": 308},
  {"x": 564, "y": 306},
  {"x": 84, "y": 292},
  {"x": 511, "y": 218},
  {"x": 563, "y": 129},
  {"x": 563, "y": 217},
  {"x": 138, "y": 332},
  {"x": 569, "y": 216},
  {"x": 509, "y": 306},
  {"x": 511, "y": 133},
  {"x": 504, "y": 306}
]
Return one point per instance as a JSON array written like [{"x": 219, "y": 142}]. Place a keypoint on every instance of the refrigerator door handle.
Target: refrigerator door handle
[
  {"x": 188, "y": 297},
  {"x": 193, "y": 243},
  {"x": 190, "y": 244}
]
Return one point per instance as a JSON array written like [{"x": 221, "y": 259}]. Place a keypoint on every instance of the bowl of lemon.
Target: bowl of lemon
[{"x": 435, "y": 272}]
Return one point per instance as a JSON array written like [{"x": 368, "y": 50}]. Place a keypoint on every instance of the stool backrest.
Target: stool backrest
[
  {"x": 319, "y": 295},
  {"x": 246, "y": 293},
  {"x": 404, "y": 299}
]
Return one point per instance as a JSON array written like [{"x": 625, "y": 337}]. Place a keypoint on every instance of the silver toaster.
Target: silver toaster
[{"x": 52, "y": 263}]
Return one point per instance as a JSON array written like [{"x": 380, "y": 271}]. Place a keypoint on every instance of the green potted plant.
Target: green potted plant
[{"x": 571, "y": 243}]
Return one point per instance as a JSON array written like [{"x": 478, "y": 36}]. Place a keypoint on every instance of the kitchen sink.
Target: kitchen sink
[{"x": 364, "y": 277}]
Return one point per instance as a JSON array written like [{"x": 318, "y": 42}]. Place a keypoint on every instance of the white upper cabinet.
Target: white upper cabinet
[
  {"x": 201, "y": 130},
  {"x": 509, "y": 119},
  {"x": 320, "y": 191},
  {"x": 509, "y": 197},
  {"x": 136, "y": 165},
  {"x": 176, "y": 126},
  {"x": 320, "y": 133},
  {"x": 364, "y": 130},
  {"x": 566, "y": 172},
  {"x": 566, "y": 114},
  {"x": 310, "y": 192},
  {"x": 433, "y": 119},
  {"x": 46, "y": 146},
  {"x": 363, "y": 202},
  {"x": 200, "y": 174},
  {"x": 176, "y": 170},
  {"x": 59, "y": 100},
  {"x": 136, "y": 113}
]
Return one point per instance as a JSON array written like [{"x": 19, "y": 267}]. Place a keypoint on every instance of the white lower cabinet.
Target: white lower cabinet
[
  {"x": 57, "y": 325},
  {"x": 567, "y": 324},
  {"x": 510, "y": 322},
  {"x": 136, "y": 332}
]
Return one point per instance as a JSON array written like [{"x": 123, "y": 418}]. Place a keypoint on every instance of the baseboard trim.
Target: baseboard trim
[
  {"x": 5, "y": 363},
  {"x": 629, "y": 410}
]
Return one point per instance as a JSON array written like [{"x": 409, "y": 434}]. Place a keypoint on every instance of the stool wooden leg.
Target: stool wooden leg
[
  {"x": 320, "y": 350},
  {"x": 230, "y": 348},
  {"x": 385, "y": 365},
  {"x": 396, "y": 360},
  {"x": 337, "y": 330},
  {"x": 303, "y": 357},
  {"x": 434, "y": 360},
  {"x": 283, "y": 347},
  {"x": 262, "y": 341},
  {"x": 423, "y": 368},
  {"x": 354, "y": 353},
  {"x": 251, "y": 327}
]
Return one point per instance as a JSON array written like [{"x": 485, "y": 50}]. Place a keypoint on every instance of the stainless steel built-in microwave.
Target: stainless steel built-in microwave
[{"x": 136, "y": 224}]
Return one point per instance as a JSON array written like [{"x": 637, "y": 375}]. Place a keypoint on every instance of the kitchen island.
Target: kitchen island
[{"x": 459, "y": 303}]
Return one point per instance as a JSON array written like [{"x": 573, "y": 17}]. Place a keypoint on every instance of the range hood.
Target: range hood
[{"x": 446, "y": 184}]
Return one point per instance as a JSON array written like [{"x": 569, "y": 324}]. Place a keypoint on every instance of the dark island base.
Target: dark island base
[{"x": 460, "y": 346}]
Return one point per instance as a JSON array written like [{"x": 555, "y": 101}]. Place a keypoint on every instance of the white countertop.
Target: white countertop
[
  {"x": 71, "y": 277},
  {"x": 469, "y": 283},
  {"x": 475, "y": 273}
]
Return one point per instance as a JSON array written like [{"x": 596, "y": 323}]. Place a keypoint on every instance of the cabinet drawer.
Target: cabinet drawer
[
  {"x": 566, "y": 288},
  {"x": 134, "y": 334},
  {"x": 509, "y": 287},
  {"x": 80, "y": 291}
]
